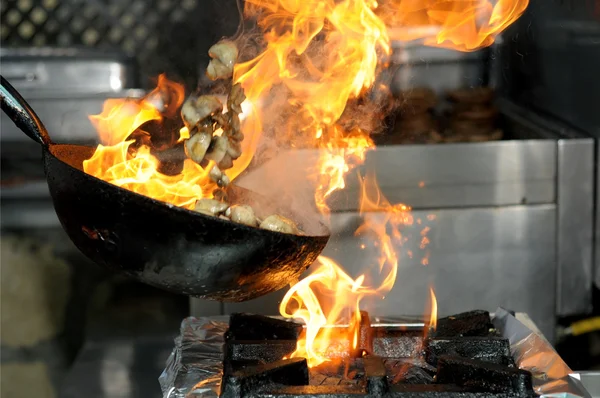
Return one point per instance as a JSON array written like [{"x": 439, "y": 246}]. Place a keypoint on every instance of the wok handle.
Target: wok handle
[{"x": 19, "y": 111}]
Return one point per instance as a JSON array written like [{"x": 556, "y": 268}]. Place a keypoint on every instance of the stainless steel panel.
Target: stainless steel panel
[
  {"x": 429, "y": 176},
  {"x": 437, "y": 68},
  {"x": 575, "y": 202},
  {"x": 36, "y": 70},
  {"x": 479, "y": 258}
]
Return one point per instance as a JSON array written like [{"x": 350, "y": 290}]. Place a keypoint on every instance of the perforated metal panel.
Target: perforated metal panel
[{"x": 164, "y": 35}]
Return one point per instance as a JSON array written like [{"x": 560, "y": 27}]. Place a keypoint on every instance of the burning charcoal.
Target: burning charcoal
[
  {"x": 210, "y": 207},
  {"x": 259, "y": 350},
  {"x": 258, "y": 327},
  {"x": 473, "y": 323},
  {"x": 243, "y": 214},
  {"x": 196, "y": 109},
  {"x": 376, "y": 375},
  {"x": 223, "y": 56},
  {"x": 484, "y": 376},
  {"x": 291, "y": 372},
  {"x": 488, "y": 349},
  {"x": 365, "y": 335},
  {"x": 197, "y": 145},
  {"x": 409, "y": 372},
  {"x": 279, "y": 223},
  {"x": 393, "y": 345}
]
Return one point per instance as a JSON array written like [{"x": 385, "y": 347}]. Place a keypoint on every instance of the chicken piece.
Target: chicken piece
[
  {"x": 218, "y": 149},
  {"x": 195, "y": 110},
  {"x": 235, "y": 98},
  {"x": 197, "y": 145},
  {"x": 243, "y": 214},
  {"x": 279, "y": 223},
  {"x": 219, "y": 177},
  {"x": 211, "y": 207},
  {"x": 223, "y": 57}
]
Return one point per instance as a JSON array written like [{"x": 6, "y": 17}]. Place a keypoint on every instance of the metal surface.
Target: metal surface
[
  {"x": 437, "y": 68},
  {"x": 66, "y": 114},
  {"x": 165, "y": 246},
  {"x": 590, "y": 381},
  {"x": 549, "y": 61},
  {"x": 575, "y": 198},
  {"x": 67, "y": 70},
  {"x": 478, "y": 258}
]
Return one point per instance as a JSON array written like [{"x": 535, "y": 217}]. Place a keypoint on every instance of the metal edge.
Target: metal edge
[{"x": 575, "y": 223}]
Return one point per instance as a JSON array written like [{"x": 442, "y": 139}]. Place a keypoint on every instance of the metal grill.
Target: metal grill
[{"x": 169, "y": 36}]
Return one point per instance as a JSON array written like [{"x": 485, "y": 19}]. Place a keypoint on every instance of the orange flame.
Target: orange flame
[
  {"x": 117, "y": 162},
  {"x": 463, "y": 25},
  {"x": 306, "y": 299},
  {"x": 433, "y": 316}
]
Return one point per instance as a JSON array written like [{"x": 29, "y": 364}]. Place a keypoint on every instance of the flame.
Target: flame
[
  {"x": 119, "y": 162},
  {"x": 433, "y": 316},
  {"x": 329, "y": 295},
  {"x": 463, "y": 25}
]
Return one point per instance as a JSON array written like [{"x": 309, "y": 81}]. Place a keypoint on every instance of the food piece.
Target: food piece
[
  {"x": 210, "y": 207},
  {"x": 218, "y": 149},
  {"x": 279, "y": 223},
  {"x": 218, "y": 176},
  {"x": 243, "y": 214},
  {"x": 223, "y": 56},
  {"x": 195, "y": 110},
  {"x": 197, "y": 145}
]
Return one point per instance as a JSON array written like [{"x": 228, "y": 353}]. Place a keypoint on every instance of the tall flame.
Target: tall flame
[{"x": 433, "y": 316}]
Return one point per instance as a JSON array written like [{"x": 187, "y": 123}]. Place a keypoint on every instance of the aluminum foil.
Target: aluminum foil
[{"x": 195, "y": 366}]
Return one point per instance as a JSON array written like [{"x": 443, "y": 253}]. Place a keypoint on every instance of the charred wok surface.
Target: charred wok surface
[{"x": 466, "y": 362}]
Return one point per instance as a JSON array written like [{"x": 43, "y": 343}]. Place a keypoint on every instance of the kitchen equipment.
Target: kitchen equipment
[{"x": 164, "y": 246}]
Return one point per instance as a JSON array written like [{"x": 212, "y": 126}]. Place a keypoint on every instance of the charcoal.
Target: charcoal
[
  {"x": 258, "y": 327},
  {"x": 484, "y": 376},
  {"x": 488, "y": 349},
  {"x": 292, "y": 372},
  {"x": 267, "y": 351},
  {"x": 409, "y": 372},
  {"x": 403, "y": 346},
  {"x": 365, "y": 335},
  {"x": 376, "y": 375},
  {"x": 472, "y": 323}
]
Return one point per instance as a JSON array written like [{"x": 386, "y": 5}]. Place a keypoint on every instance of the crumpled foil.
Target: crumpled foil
[{"x": 195, "y": 366}]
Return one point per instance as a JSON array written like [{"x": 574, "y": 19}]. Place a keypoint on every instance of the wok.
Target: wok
[{"x": 172, "y": 248}]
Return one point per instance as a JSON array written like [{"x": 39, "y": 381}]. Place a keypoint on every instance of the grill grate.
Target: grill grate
[{"x": 170, "y": 36}]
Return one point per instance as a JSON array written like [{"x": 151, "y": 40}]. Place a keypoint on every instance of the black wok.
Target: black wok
[{"x": 162, "y": 245}]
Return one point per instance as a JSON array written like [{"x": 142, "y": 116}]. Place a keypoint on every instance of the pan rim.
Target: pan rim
[{"x": 49, "y": 151}]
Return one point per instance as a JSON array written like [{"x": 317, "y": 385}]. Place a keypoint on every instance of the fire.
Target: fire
[
  {"x": 330, "y": 285},
  {"x": 464, "y": 25},
  {"x": 433, "y": 316},
  {"x": 118, "y": 161}
]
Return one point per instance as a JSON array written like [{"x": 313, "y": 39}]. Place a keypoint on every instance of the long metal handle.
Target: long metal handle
[{"x": 19, "y": 111}]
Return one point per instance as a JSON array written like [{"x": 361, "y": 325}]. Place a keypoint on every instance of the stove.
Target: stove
[{"x": 471, "y": 354}]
